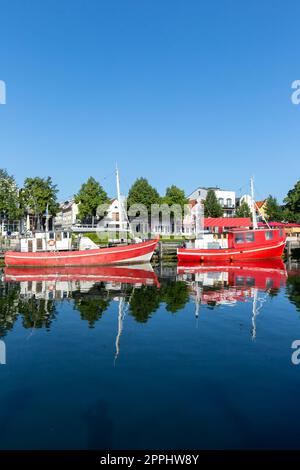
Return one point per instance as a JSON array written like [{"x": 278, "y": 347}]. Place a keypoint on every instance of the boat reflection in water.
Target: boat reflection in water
[
  {"x": 228, "y": 283},
  {"x": 57, "y": 283},
  {"x": 36, "y": 293}
]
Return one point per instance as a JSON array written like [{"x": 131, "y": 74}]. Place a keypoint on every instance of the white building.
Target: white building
[
  {"x": 66, "y": 216},
  {"x": 115, "y": 219},
  {"x": 227, "y": 199}
]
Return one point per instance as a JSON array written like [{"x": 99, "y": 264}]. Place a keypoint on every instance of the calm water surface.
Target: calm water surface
[{"x": 123, "y": 358}]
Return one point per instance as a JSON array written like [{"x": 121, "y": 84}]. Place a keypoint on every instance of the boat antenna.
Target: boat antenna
[
  {"x": 254, "y": 219},
  {"x": 119, "y": 195},
  {"x": 122, "y": 210}
]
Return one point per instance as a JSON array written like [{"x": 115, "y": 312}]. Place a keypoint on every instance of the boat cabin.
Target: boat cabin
[
  {"x": 46, "y": 241},
  {"x": 242, "y": 239}
]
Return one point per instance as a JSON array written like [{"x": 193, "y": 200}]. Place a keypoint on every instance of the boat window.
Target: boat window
[
  {"x": 250, "y": 281},
  {"x": 249, "y": 237},
  {"x": 39, "y": 244},
  {"x": 65, "y": 234},
  {"x": 58, "y": 236},
  {"x": 269, "y": 283},
  {"x": 51, "y": 235},
  {"x": 240, "y": 280},
  {"x": 269, "y": 235},
  {"x": 280, "y": 232},
  {"x": 239, "y": 238}
]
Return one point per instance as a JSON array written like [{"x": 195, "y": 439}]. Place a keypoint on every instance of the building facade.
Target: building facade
[
  {"x": 226, "y": 198},
  {"x": 66, "y": 216}
]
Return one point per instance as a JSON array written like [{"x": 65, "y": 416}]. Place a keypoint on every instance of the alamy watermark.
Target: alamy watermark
[
  {"x": 295, "y": 96},
  {"x": 296, "y": 354},
  {"x": 2, "y": 92},
  {"x": 2, "y": 353},
  {"x": 139, "y": 221}
]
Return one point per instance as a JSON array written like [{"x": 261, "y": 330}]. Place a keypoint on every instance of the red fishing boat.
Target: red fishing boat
[
  {"x": 241, "y": 245},
  {"x": 237, "y": 245},
  {"x": 48, "y": 249},
  {"x": 133, "y": 253}
]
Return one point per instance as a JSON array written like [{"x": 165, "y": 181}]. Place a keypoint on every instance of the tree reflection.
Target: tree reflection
[
  {"x": 293, "y": 290},
  {"x": 9, "y": 299},
  {"x": 175, "y": 294},
  {"x": 91, "y": 305},
  {"x": 144, "y": 302},
  {"x": 37, "y": 313}
]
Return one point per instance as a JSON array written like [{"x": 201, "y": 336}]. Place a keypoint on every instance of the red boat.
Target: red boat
[
  {"x": 134, "y": 253},
  {"x": 142, "y": 274},
  {"x": 238, "y": 246}
]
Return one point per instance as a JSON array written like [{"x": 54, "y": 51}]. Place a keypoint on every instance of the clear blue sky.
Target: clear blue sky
[{"x": 185, "y": 92}]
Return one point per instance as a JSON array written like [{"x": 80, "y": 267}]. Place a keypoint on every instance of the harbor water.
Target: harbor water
[{"x": 170, "y": 357}]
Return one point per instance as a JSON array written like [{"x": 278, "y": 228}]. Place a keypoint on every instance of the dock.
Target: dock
[{"x": 292, "y": 244}]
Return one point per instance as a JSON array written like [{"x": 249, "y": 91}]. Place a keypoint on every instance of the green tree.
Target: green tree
[
  {"x": 38, "y": 194},
  {"x": 89, "y": 197},
  {"x": 175, "y": 195},
  {"x": 212, "y": 207},
  {"x": 273, "y": 209},
  {"x": 292, "y": 204},
  {"x": 141, "y": 192},
  {"x": 9, "y": 197},
  {"x": 243, "y": 210}
]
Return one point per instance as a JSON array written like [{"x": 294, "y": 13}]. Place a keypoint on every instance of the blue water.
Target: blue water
[{"x": 178, "y": 382}]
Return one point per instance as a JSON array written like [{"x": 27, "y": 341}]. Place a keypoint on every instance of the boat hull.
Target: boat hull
[
  {"x": 231, "y": 254},
  {"x": 136, "y": 253}
]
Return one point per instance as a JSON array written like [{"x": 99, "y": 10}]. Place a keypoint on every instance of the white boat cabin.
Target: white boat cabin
[{"x": 47, "y": 241}]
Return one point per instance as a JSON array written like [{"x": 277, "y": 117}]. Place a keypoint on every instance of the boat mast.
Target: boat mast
[
  {"x": 119, "y": 196},
  {"x": 122, "y": 211},
  {"x": 254, "y": 220}
]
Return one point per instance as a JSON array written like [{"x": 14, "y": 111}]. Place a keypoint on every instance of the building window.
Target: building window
[
  {"x": 229, "y": 202},
  {"x": 116, "y": 216},
  {"x": 269, "y": 235},
  {"x": 221, "y": 201}
]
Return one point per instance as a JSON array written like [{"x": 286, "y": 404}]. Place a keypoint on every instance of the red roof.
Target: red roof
[{"x": 227, "y": 222}]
